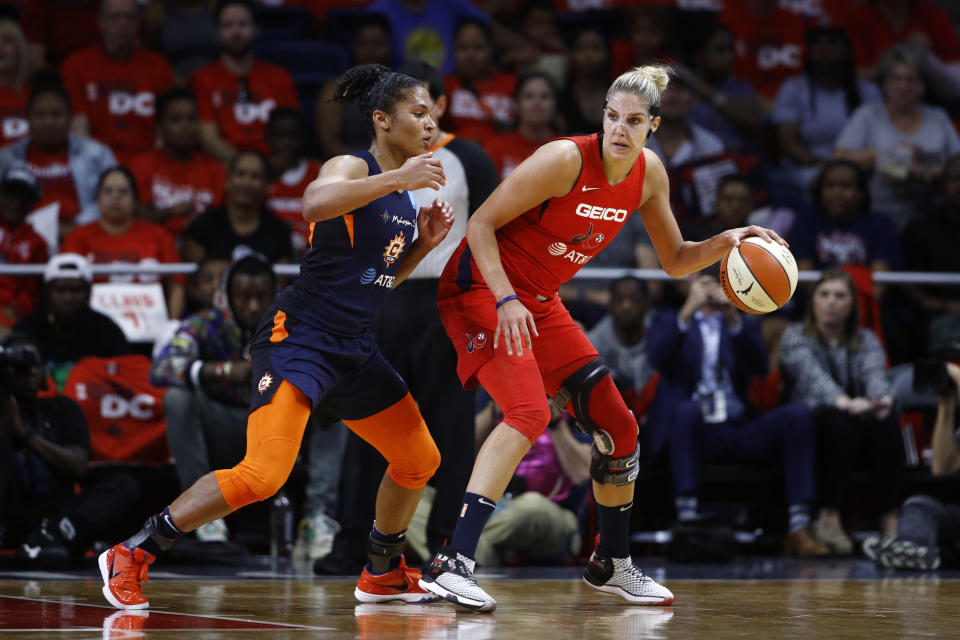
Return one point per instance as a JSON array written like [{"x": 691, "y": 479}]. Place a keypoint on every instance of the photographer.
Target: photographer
[
  {"x": 928, "y": 528},
  {"x": 44, "y": 450}
]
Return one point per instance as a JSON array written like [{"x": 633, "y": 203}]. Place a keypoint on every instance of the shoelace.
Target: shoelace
[{"x": 132, "y": 578}]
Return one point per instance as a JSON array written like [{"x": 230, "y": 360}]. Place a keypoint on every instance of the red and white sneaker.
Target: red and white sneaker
[
  {"x": 124, "y": 571},
  {"x": 401, "y": 583}
]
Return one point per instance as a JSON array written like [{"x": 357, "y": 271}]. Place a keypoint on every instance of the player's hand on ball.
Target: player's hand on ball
[
  {"x": 434, "y": 222},
  {"x": 516, "y": 324},
  {"x": 736, "y": 236},
  {"x": 420, "y": 172}
]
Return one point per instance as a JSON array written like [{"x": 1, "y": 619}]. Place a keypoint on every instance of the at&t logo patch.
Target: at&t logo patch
[
  {"x": 557, "y": 249},
  {"x": 368, "y": 275}
]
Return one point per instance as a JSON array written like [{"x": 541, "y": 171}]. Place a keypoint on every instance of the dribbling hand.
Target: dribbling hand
[
  {"x": 516, "y": 324},
  {"x": 737, "y": 235},
  {"x": 419, "y": 172}
]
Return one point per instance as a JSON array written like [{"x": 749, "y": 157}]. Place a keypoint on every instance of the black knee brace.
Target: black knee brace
[
  {"x": 577, "y": 389},
  {"x": 616, "y": 471}
]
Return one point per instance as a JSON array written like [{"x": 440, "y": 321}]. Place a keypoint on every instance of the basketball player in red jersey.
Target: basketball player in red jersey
[{"x": 499, "y": 304}]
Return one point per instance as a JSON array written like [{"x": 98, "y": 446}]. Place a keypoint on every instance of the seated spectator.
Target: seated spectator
[
  {"x": 207, "y": 369},
  {"x": 113, "y": 84},
  {"x": 536, "y": 98},
  {"x": 810, "y": 109},
  {"x": 930, "y": 244},
  {"x": 237, "y": 92},
  {"x": 290, "y": 172},
  {"x": 648, "y": 30},
  {"x": 928, "y": 531},
  {"x": 768, "y": 44},
  {"x": 588, "y": 76},
  {"x": 118, "y": 236},
  {"x": 183, "y": 31},
  {"x": 178, "y": 181},
  {"x": 839, "y": 370},
  {"x": 619, "y": 339},
  {"x": 44, "y": 451},
  {"x": 726, "y": 105},
  {"x": 903, "y": 141},
  {"x": 677, "y": 140},
  {"x": 427, "y": 31},
  {"x": 56, "y": 28},
  {"x": 340, "y": 127},
  {"x": 538, "y": 520},
  {"x": 876, "y": 26},
  {"x": 67, "y": 165},
  {"x": 15, "y": 83},
  {"x": 203, "y": 283},
  {"x": 19, "y": 244},
  {"x": 480, "y": 99},
  {"x": 63, "y": 325},
  {"x": 243, "y": 222},
  {"x": 843, "y": 229},
  {"x": 706, "y": 353},
  {"x": 543, "y": 49}
]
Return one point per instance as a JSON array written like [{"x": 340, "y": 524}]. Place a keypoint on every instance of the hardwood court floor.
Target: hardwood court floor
[{"x": 818, "y": 601}]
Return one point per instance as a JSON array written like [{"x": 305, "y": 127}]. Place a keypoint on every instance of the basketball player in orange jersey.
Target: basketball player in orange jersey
[
  {"x": 499, "y": 304},
  {"x": 316, "y": 344}
]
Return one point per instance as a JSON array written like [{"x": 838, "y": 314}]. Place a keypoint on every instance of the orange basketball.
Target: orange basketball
[{"x": 758, "y": 276}]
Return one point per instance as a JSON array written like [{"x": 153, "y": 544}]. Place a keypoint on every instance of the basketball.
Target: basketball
[{"x": 759, "y": 276}]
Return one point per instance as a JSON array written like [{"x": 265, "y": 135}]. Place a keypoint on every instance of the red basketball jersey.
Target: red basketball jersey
[{"x": 547, "y": 245}]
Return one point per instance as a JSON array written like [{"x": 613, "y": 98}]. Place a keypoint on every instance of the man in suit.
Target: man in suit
[{"x": 706, "y": 353}]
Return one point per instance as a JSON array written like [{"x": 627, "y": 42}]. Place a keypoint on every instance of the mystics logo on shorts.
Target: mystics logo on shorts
[
  {"x": 476, "y": 342},
  {"x": 394, "y": 249}
]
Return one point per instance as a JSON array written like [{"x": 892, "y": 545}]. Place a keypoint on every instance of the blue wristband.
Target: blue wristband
[{"x": 505, "y": 299}]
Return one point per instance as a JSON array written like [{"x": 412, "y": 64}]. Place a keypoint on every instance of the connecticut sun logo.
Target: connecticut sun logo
[
  {"x": 264, "y": 383},
  {"x": 394, "y": 249}
]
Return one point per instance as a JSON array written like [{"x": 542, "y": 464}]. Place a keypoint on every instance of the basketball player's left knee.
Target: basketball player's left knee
[
  {"x": 600, "y": 410},
  {"x": 415, "y": 460},
  {"x": 259, "y": 475}
]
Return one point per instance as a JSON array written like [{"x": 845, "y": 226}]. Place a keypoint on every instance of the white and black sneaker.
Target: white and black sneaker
[
  {"x": 873, "y": 545},
  {"x": 621, "y": 577},
  {"x": 450, "y": 576},
  {"x": 903, "y": 554}
]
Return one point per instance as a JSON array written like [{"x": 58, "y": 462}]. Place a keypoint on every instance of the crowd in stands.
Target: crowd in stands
[{"x": 167, "y": 131}]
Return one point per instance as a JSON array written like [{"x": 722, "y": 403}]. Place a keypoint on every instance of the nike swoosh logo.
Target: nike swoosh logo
[
  {"x": 624, "y": 508},
  {"x": 33, "y": 552},
  {"x": 589, "y": 188},
  {"x": 114, "y": 574},
  {"x": 487, "y": 502},
  {"x": 397, "y": 587}
]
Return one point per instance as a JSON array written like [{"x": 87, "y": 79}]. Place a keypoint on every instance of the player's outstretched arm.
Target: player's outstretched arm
[
  {"x": 551, "y": 172},
  {"x": 345, "y": 184},
  {"x": 681, "y": 257}
]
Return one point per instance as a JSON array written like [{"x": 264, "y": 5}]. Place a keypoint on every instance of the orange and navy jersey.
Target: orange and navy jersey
[
  {"x": 544, "y": 247},
  {"x": 286, "y": 198},
  {"x": 13, "y": 113},
  {"x": 164, "y": 182},
  {"x": 352, "y": 262},
  {"x": 143, "y": 241},
  {"x": 240, "y": 105},
  {"x": 118, "y": 96}
]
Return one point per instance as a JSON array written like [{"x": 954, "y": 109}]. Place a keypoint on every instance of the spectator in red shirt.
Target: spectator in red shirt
[
  {"x": 236, "y": 92},
  {"x": 113, "y": 84},
  {"x": 118, "y": 236},
  {"x": 177, "y": 181},
  {"x": 768, "y": 43},
  {"x": 67, "y": 166},
  {"x": 19, "y": 244},
  {"x": 14, "y": 82},
  {"x": 290, "y": 172},
  {"x": 481, "y": 99},
  {"x": 536, "y": 97},
  {"x": 56, "y": 28}
]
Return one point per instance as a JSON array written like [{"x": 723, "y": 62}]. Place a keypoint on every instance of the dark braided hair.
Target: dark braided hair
[{"x": 374, "y": 87}]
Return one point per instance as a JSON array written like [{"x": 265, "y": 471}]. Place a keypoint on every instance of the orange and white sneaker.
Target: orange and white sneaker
[
  {"x": 401, "y": 583},
  {"x": 124, "y": 571}
]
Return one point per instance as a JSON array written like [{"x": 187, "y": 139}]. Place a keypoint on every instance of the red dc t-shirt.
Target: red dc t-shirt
[
  {"x": 142, "y": 241},
  {"x": 164, "y": 182},
  {"x": 55, "y": 180},
  {"x": 286, "y": 199},
  {"x": 118, "y": 96},
  {"x": 767, "y": 51},
  {"x": 19, "y": 245},
  {"x": 481, "y": 112},
  {"x": 13, "y": 113},
  {"x": 871, "y": 35},
  {"x": 508, "y": 150},
  {"x": 241, "y": 106}
]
